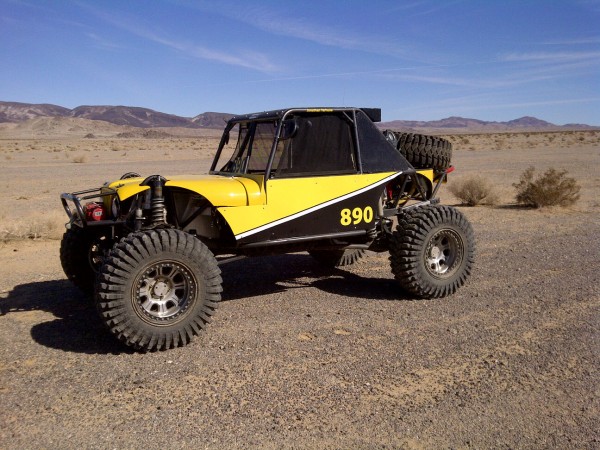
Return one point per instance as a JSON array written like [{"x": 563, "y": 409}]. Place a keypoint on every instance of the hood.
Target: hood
[{"x": 217, "y": 189}]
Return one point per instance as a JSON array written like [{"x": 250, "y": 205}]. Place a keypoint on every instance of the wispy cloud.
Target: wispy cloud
[
  {"x": 574, "y": 41},
  {"x": 552, "y": 56},
  {"x": 106, "y": 44},
  {"x": 305, "y": 28},
  {"x": 247, "y": 59},
  {"x": 250, "y": 60},
  {"x": 324, "y": 35}
]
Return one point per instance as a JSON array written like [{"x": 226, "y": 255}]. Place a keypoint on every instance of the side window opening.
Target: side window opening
[
  {"x": 322, "y": 145},
  {"x": 252, "y": 148},
  {"x": 260, "y": 148}
]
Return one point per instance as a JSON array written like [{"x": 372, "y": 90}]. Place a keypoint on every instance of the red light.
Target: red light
[{"x": 94, "y": 211}]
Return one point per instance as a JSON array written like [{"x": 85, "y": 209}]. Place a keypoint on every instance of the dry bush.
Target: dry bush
[
  {"x": 474, "y": 191},
  {"x": 553, "y": 188},
  {"x": 50, "y": 226},
  {"x": 79, "y": 159}
]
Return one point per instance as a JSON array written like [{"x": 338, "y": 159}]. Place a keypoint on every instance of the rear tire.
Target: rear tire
[
  {"x": 432, "y": 251},
  {"x": 337, "y": 258},
  {"x": 158, "y": 289}
]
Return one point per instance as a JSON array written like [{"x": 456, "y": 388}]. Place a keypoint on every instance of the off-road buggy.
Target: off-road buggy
[{"x": 322, "y": 180}]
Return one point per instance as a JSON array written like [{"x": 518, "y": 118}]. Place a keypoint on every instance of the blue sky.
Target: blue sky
[{"x": 416, "y": 59}]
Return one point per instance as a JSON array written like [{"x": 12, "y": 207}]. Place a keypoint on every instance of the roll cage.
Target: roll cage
[{"x": 308, "y": 142}]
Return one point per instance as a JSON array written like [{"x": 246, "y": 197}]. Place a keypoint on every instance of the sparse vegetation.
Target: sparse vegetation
[
  {"x": 79, "y": 159},
  {"x": 474, "y": 191},
  {"x": 553, "y": 188},
  {"x": 39, "y": 227}
]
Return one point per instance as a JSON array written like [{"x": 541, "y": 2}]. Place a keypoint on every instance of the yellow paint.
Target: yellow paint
[
  {"x": 427, "y": 173},
  {"x": 129, "y": 187},
  {"x": 289, "y": 196},
  {"x": 222, "y": 191},
  {"x": 219, "y": 190}
]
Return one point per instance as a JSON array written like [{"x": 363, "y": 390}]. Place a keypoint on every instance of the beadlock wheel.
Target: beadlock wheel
[
  {"x": 158, "y": 289},
  {"x": 164, "y": 291},
  {"x": 432, "y": 250},
  {"x": 444, "y": 253}
]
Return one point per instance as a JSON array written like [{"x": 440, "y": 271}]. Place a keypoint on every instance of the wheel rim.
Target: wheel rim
[
  {"x": 164, "y": 292},
  {"x": 444, "y": 253}
]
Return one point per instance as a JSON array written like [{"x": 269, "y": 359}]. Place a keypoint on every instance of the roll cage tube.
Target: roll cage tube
[{"x": 222, "y": 143}]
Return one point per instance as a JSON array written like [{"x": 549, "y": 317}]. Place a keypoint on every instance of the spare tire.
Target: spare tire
[{"x": 422, "y": 151}]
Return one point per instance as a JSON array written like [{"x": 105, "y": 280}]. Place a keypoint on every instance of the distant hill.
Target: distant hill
[
  {"x": 19, "y": 112},
  {"x": 14, "y": 112},
  {"x": 132, "y": 116},
  {"x": 212, "y": 119},
  {"x": 461, "y": 124}
]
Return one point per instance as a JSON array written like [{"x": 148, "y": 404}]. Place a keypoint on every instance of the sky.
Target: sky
[{"x": 415, "y": 59}]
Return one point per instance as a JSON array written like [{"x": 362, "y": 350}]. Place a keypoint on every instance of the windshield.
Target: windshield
[{"x": 248, "y": 148}]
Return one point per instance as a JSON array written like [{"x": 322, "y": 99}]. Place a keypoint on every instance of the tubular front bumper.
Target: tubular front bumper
[{"x": 72, "y": 203}]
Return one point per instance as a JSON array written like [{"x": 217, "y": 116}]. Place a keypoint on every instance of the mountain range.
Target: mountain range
[{"x": 14, "y": 112}]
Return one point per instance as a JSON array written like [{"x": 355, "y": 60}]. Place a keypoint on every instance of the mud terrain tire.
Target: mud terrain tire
[
  {"x": 337, "y": 258},
  {"x": 81, "y": 255},
  {"x": 422, "y": 151},
  {"x": 158, "y": 289},
  {"x": 432, "y": 251}
]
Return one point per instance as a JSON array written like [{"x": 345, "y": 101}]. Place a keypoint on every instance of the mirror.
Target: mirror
[{"x": 288, "y": 129}]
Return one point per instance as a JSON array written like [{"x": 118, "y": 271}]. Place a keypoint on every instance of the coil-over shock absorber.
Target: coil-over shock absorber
[{"x": 157, "y": 200}]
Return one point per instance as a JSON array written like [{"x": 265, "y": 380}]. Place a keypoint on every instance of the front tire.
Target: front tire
[
  {"x": 432, "y": 251},
  {"x": 158, "y": 289},
  {"x": 82, "y": 253}
]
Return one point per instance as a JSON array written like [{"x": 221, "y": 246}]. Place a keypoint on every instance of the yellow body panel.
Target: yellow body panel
[
  {"x": 427, "y": 173},
  {"x": 219, "y": 190},
  {"x": 292, "y": 196},
  {"x": 128, "y": 187}
]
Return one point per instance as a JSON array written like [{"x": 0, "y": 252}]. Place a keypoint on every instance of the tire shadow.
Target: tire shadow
[{"x": 76, "y": 328}]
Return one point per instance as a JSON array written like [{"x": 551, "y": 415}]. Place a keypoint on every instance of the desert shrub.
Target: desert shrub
[
  {"x": 474, "y": 191},
  {"x": 80, "y": 159},
  {"x": 47, "y": 227},
  {"x": 550, "y": 189}
]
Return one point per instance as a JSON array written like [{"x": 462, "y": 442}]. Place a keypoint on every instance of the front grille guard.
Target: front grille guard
[{"x": 74, "y": 209}]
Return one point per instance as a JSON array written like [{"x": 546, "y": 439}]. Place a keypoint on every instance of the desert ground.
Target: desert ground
[{"x": 298, "y": 356}]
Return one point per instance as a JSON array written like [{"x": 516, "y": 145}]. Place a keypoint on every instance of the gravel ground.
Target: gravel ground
[{"x": 301, "y": 357}]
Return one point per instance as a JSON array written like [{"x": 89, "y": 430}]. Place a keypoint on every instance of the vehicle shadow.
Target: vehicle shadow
[
  {"x": 78, "y": 328},
  {"x": 272, "y": 274}
]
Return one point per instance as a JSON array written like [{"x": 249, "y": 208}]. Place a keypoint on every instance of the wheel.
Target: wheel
[
  {"x": 158, "y": 289},
  {"x": 337, "y": 258},
  {"x": 432, "y": 250},
  {"x": 423, "y": 152},
  {"x": 82, "y": 252}
]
